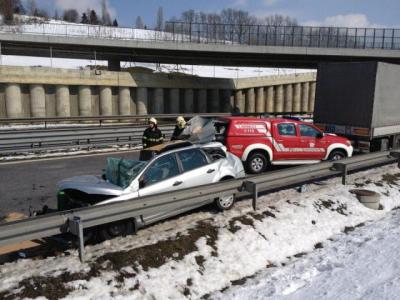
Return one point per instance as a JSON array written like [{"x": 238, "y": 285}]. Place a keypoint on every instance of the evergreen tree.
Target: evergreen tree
[
  {"x": 93, "y": 19},
  {"x": 115, "y": 23},
  {"x": 71, "y": 15},
  {"x": 84, "y": 19}
]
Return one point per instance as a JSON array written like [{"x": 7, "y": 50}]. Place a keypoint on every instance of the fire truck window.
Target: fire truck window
[
  {"x": 306, "y": 130},
  {"x": 287, "y": 129}
]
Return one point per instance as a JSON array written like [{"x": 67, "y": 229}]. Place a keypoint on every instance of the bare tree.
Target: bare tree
[
  {"x": 160, "y": 19},
  {"x": 56, "y": 16},
  {"x": 19, "y": 7},
  {"x": 7, "y": 10},
  {"x": 280, "y": 20},
  {"x": 139, "y": 24},
  {"x": 71, "y": 15},
  {"x": 105, "y": 14},
  {"x": 32, "y": 7}
]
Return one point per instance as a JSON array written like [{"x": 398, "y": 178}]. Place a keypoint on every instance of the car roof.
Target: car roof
[{"x": 172, "y": 147}]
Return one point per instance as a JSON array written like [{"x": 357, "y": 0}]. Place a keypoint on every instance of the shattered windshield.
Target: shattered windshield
[
  {"x": 200, "y": 130},
  {"x": 121, "y": 171}
]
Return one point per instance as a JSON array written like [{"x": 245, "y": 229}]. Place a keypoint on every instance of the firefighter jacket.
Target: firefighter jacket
[{"x": 152, "y": 137}]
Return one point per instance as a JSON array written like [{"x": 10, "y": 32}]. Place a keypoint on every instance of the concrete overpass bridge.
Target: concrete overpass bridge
[{"x": 204, "y": 44}]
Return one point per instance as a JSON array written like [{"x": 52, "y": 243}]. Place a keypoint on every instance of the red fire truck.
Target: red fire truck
[{"x": 278, "y": 141}]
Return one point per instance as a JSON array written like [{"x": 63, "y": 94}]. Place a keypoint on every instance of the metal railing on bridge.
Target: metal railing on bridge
[
  {"x": 255, "y": 35},
  {"x": 292, "y": 36}
]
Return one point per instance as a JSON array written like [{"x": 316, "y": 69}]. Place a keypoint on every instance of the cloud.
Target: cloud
[
  {"x": 351, "y": 20},
  {"x": 270, "y": 2},
  {"x": 83, "y": 5},
  {"x": 240, "y": 2}
]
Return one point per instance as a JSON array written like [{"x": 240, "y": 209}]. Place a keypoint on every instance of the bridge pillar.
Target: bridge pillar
[
  {"x": 141, "y": 101},
  {"x": 305, "y": 94},
  {"x": 38, "y": 101},
  {"x": 260, "y": 100},
  {"x": 269, "y": 103},
  {"x": 297, "y": 97},
  {"x": 174, "y": 101},
  {"x": 288, "y": 107},
  {"x": 215, "y": 101},
  {"x": 312, "y": 97},
  {"x": 13, "y": 101},
  {"x": 114, "y": 65},
  {"x": 188, "y": 101},
  {"x": 158, "y": 101},
  {"x": 226, "y": 101},
  {"x": 85, "y": 101},
  {"x": 239, "y": 101},
  {"x": 105, "y": 101},
  {"x": 250, "y": 101},
  {"x": 63, "y": 104},
  {"x": 279, "y": 99},
  {"x": 202, "y": 101},
  {"x": 124, "y": 102}
]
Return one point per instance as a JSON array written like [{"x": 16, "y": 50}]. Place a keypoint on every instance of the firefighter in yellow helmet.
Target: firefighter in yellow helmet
[
  {"x": 179, "y": 127},
  {"x": 152, "y": 135}
]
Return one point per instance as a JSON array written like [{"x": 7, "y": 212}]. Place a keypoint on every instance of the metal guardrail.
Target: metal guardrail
[
  {"x": 75, "y": 221},
  {"x": 192, "y": 32},
  {"x": 12, "y": 142}
]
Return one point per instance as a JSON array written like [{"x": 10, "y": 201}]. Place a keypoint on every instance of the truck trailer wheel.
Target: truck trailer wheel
[
  {"x": 256, "y": 163},
  {"x": 337, "y": 155}
]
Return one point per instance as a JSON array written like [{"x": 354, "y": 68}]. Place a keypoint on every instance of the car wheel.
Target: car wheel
[
  {"x": 225, "y": 202},
  {"x": 336, "y": 155},
  {"x": 115, "y": 229},
  {"x": 256, "y": 163}
]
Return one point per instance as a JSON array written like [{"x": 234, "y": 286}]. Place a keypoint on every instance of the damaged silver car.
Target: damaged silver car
[{"x": 163, "y": 168}]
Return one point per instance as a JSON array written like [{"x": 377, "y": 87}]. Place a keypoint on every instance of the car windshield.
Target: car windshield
[{"x": 121, "y": 172}]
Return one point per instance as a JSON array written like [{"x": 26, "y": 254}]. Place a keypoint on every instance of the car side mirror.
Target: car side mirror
[
  {"x": 142, "y": 183},
  {"x": 320, "y": 135}
]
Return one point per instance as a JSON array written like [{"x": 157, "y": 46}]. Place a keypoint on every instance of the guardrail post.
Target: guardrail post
[
  {"x": 251, "y": 187},
  {"x": 396, "y": 154},
  {"x": 76, "y": 228},
  {"x": 343, "y": 168}
]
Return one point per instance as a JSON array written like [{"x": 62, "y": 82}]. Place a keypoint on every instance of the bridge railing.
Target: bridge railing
[
  {"x": 292, "y": 36},
  {"x": 262, "y": 35}
]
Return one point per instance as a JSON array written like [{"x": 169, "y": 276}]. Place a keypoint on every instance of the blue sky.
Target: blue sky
[{"x": 358, "y": 13}]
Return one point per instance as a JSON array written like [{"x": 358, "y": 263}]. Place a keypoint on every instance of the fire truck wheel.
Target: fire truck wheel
[
  {"x": 256, "y": 163},
  {"x": 336, "y": 155}
]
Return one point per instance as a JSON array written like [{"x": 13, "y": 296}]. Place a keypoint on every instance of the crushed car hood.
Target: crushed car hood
[{"x": 90, "y": 184}]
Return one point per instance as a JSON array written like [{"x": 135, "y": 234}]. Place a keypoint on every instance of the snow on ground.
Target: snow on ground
[
  {"x": 203, "y": 253},
  {"x": 361, "y": 265}
]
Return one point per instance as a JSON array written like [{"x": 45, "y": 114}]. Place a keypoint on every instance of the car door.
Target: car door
[
  {"x": 312, "y": 142},
  {"x": 163, "y": 175},
  {"x": 287, "y": 141},
  {"x": 197, "y": 168}
]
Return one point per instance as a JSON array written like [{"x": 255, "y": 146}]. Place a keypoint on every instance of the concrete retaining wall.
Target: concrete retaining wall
[{"x": 48, "y": 92}]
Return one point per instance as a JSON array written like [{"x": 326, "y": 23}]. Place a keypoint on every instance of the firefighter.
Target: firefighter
[
  {"x": 152, "y": 135},
  {"x": 179, "y": 127}
]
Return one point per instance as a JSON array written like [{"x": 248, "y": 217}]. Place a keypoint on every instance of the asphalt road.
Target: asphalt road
[{"x": 34, "y": 183}]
